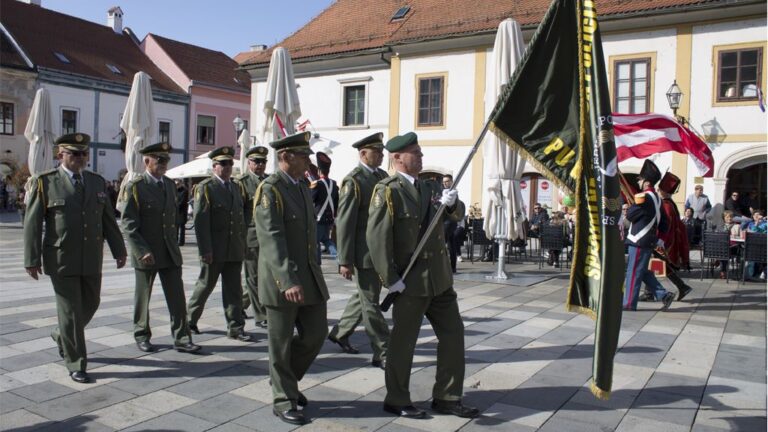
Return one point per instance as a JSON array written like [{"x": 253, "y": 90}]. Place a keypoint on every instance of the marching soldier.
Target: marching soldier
[
  {"x": 149, "y": 210},
  {"x": 248, "y": 181},
  {"x": 400, "y": 210},
  {"x": 68, "y": 218},
  {"x": 351, "y": 223},
  {"x": 291, "y": 284},
  {"x": 220, "y": 231}
]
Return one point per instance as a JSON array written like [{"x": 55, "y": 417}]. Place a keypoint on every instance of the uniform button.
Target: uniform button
[
  {"x": 85, "y": 238},
  {"x": 163, "y": 214},
  {"x": 83, "y": 213},
  {"x": 163, "y": 225},
  {"x": 85, "y": 225}
]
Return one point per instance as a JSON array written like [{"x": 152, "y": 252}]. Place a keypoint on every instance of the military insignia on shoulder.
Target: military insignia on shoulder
[
  {"x": 265, "y": 201},
  {"x": 345, "y": 189},
  {"x": 378, "y": 201}
]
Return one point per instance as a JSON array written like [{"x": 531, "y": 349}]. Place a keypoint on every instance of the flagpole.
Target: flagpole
[{"x": 390, "y": 298}]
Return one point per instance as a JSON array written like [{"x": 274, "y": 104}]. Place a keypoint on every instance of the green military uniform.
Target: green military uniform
[
  {"x": 220, "y": 231},
  {"x": 148, "y": 208},
  {"x": 398, "y": 216},
  {"x": 351, "y": 223},
  {"x": 67, "y": 226},
  {"x": 248, "y": 182},
  {"x": 284, "y": 218}
]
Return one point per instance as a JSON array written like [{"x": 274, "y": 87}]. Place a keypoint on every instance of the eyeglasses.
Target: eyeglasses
[
  {"x": 161, "y": 159},
  {"x": 76, "y": 153},
  {"x": 260, "y": 161},
  {"x": 225, "y": 163}
]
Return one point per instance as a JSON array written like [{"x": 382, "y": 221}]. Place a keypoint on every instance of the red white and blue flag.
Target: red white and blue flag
[{"x": 643, "y": 135}]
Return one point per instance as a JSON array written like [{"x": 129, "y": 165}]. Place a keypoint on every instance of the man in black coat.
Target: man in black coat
[
  {"x": 325, "y": 196},
  {"x": 182, "y": 199}
]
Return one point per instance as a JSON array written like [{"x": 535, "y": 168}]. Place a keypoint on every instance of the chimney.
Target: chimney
[
  {"x": 115, "y": 19},
  {"x": 33, "y": 2},
  {"x": 259, "y": 47}
]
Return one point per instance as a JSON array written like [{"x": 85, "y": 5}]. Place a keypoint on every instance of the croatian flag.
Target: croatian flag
[{"x": 642, "y": 135}]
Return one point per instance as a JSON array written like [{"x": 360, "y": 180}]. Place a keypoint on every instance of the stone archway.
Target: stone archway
[{"x": 743, "y": 157}]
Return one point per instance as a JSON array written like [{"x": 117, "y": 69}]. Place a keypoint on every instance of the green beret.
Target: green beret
[
  {"x": 257, "y": 153},
  {"x": 158, "y": 149},
  {"x": 372, "y": 141},
  {"x": 74, "y": 141},
  {"x": 298, "y": 143},
  {"x": 400, "y": 142},
  {"x": 222, "y": 153}
]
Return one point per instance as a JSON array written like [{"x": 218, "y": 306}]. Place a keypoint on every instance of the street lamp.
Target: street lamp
[
  {"x": 674, "y": 97},
  {"x": 239, "y": 125}
]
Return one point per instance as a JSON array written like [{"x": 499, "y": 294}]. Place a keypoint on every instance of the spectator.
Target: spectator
[
  {"x": 694, "y": 234},
  {"x": 325, "y": 196},
  {"x": 540, "y": 217},
  {"x": 182, "y": 203},
  {"x": 734, "y": 205},
  {"x": 751, "y": 204},
  {"x": 453, "y": 235},
  {"x": 699, "y": 203},
  {"x": 10, "y": 189},
  {"x": 757, "y": 225},
  {"x": 734, "y": 229},
  {"x": 558, "y": 219},
  {"x": 112, "y": 194},
  {"x": 624, "y": 223}
]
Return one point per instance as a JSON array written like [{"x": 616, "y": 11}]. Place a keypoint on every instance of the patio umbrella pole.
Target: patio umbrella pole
[{"x": 501, "y": 238}]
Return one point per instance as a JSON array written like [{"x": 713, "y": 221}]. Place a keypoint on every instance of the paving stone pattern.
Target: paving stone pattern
[{"x": 700, "y": 366}]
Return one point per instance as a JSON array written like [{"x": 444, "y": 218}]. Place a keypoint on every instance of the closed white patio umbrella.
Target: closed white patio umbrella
[
  {"x": 138, "y": 123},
  {"x": 39, "y": 133},
  {"x": 281, "y": 104},
  {"x": 502, "y": 199},
  {"x": 245, "y": 144}
]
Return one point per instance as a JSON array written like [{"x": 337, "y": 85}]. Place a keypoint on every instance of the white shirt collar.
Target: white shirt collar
[
  {"x": 155, "y": 179},
  {"x": 221, "y": 180},
  {"x": 407, "y": 177},
  {"x": 71, "y": 174},
  {"x": 293, "y": 180},
  {"x": 370, "y": 170}
]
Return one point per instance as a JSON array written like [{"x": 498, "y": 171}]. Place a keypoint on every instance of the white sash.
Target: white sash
[
  {"x": 657, "y": 206},
  {"x": 328, "y": 201}
]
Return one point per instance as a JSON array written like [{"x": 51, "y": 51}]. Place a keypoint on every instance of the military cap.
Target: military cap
[
  {"x": 159, "y": 149},
  {"x": 650, "y": 172},
  {"x": 323, "y": 162},
  {"x": 257, "y": 153},
  {"x": 372, "y": 141},
  {"x": 222, "y": 153},
  {"x": 400, "y": 142},
  {"x": 74, "y": 141},
  {"x": 298, "y": 143},
  {"x": 669, "y": 183}
]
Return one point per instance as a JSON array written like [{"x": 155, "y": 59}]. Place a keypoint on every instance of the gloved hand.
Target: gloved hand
[
  {"x": 449, "y": 197},
  {"x": 399, "y": 286},
  {"x": 660, "y": 243}
]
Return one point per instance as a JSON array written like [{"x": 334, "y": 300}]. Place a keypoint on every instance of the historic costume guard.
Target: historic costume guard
[
  {"x": 354, "y": 258},
  {"x": 646, "y": 217},
  {"x": 291, "y": 284},
  {"x": 400, "y": 210},
  {"x": 149, "y": 210},
  {"x": 220, "y": 231},
  {"x": 68, "y": 217}
]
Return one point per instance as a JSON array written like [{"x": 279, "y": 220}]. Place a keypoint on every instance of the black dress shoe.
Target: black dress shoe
[
  {"x": 80, "y": 377},
  {"x": 378, "y": 363},
  {"x": 454, "y": 408},
  {"x": 146, "y": 346},
  {"x": 302, "y": 400},
  {"x": 344, "y": 344},
  {"x": 262, "y": 324},
  {"x": 187, "y": 348},
  {"x": 292, "y": 416},
  {"x": 241, "y": 336},
  {"x": 193, "y": 328},
  {"x": 407, "y": 411},
  {"x": 680, "y": 294}
]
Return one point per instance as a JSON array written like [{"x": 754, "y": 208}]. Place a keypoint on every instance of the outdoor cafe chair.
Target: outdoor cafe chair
[
  {"x": 553, "y": 237},
  {"x": 715, "y": 246},
  {"x": 754, "y": 250}
]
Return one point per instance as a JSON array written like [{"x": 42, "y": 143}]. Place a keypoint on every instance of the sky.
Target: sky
[{"x": 229, "y": 26}]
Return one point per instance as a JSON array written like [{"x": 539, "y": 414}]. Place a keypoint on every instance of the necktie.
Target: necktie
[
  {"x": 160, "y": 186},
  {"x": 417, "y": 185},
  {"x": 79, "y": 187}
]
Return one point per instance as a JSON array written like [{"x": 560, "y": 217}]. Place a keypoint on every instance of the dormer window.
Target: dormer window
[
  {"x": 114, "y": 69},
  {"x": 401, "y": 13},
  {"x": 62, "y": 58}
]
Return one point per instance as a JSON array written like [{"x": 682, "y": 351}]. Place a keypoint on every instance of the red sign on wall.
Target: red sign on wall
[{"x": 545, "y": 185}]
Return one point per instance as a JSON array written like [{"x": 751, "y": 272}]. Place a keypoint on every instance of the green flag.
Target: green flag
[{"x": 556, "y": 112}]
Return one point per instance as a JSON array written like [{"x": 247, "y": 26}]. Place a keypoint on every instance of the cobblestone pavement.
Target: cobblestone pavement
[{"x": 700, "y": 366}]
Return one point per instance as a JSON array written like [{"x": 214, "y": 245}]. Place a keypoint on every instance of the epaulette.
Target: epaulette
[
  {"x": 205, "y": 181},
  {"x": 259, "y": 199},
  {"x": 272, "y": 179},
  {"x": 48, "y": 172},
  {"x": 86, "y": 172},
  {"x": 389, "y": 180}
]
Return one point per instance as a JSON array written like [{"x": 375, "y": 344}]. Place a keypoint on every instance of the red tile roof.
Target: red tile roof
[
  {"x": 204, "y": 65},
  {"x": 358, "y": 25},
  {"x": 89, "y": 46}
]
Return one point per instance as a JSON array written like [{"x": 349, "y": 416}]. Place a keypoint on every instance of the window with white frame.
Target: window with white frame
[
  {"x": 68, "y": 121},
  {"x": 206, "y": 129},
  {"x": 632, "y": 84},
  {"x": 354, "y": 102},
  {"x": 6, "y": 118},
  {"x": 430, "y": 101}
]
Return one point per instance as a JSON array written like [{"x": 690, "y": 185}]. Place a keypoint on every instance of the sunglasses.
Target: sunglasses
[
  {"x": 260, "y": 161},
  {"x": 76, "y": 153},
  {"x": 225, "y": 163}
]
